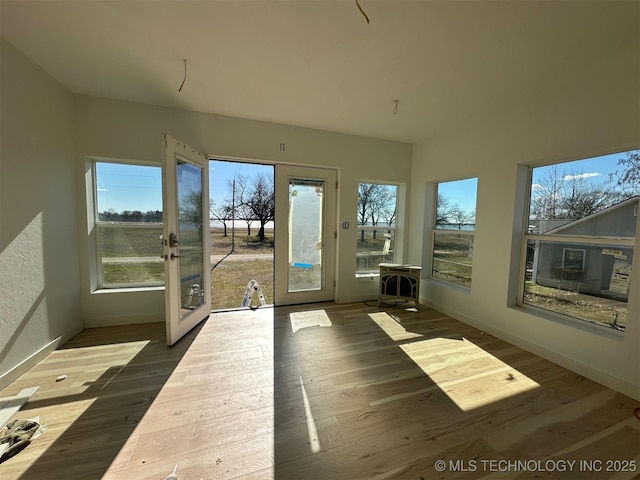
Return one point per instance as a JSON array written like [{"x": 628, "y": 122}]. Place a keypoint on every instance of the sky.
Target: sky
[
  {"x": 595, "y": 170},
  {"x": 222, "y": 172},
  {"x": 132, "y": 187},
  {"x": 135, "y": 187},
  {"x": 128, "y": 187}
]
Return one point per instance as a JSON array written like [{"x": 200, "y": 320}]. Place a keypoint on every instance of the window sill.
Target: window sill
[
  {"x": 107, "y": 291},
  {"x": 367, "y": 277}
]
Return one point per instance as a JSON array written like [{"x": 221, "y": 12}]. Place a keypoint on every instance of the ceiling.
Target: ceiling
[{"x": 319, "y": 63}]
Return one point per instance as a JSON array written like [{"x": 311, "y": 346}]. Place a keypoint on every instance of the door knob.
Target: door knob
[{"x": 173, "y": 240}]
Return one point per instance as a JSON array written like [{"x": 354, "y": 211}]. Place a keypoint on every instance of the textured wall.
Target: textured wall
[{"x": 39, "y": 279}]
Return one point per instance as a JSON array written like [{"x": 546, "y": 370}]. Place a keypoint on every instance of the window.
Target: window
[
  {"x": 453, "y": 232},
  {"x": 573, "y": 259},
  {"x": 579, "y": 242},
  {"x": 128, "y": 219},
  {"x": 377, "y": 231}
]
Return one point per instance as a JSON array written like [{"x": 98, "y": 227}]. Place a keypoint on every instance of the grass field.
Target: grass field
[
  {"x": 453, "y": 258},
  {"x": 228, "y": 279},
  {"x": 585, "y": 307}
]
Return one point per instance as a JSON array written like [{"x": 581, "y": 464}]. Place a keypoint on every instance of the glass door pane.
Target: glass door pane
[
  {"x": 190, "y": 233},
  {"x": 306, "y": 202}
]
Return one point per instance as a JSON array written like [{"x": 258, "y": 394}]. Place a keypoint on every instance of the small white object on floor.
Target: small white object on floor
[{"x": 61, "y": 377}]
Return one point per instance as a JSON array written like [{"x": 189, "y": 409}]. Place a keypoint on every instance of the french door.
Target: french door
[
  {"x": 305, "y": 234},
  {"x": 185, "y": 184}
]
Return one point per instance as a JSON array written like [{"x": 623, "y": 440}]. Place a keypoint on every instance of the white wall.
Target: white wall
[
  {"x": 125, "y": 130},
  {"x": 39, "y": 272},
  {"x": 601, "y": 115}
]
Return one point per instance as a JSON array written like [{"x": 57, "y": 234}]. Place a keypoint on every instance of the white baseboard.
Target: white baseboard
[
  {"x": 124, "y": 320},
  {"x": 586, "y": 371},
  {"x": 33, "y": 359}
]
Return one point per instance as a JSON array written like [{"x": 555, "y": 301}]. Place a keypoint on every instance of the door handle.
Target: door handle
[
  {"x": 173, "y": 240},
  {"x": 173, "y": 256}
]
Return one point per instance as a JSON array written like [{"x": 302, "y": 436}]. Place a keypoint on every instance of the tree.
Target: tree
[
  {"x": 375, "y": 201},
  {"x": 459, "y": 216},
  {"x": 255, "y": 200},
  {"x": 262, "y": 202},
  {"x": 628, "y": 178},
  {"x": 222, "y": 213},
  {"x": 240, "y": 185},
  {"x": 546, "y": 195},
  {"x": 443, "y": 209},
  {"x": 383, "y": 205},
  {"x": 579, "y": 199},
  {"x": 190, "y": 211},
  {"x": 450, "y": 213},
  {"x": 567, "y": 195}
]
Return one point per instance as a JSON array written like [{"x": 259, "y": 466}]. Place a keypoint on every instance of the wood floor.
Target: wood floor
[{"x": 319, "y": 391}]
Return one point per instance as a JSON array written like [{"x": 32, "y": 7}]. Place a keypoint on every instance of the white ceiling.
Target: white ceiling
[{"x": 319, "y": 64}]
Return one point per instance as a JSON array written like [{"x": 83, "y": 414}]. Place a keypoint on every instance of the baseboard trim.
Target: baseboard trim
[
  {"x": 33, "y": 359},
  {"x": 586, "y": 371},
  {"x": 124, "y": 320}
]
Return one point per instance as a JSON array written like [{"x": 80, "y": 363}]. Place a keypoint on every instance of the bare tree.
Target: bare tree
[
  {"x": 375, "y": 202},
  {"x": 580, "y": 199},
  {"x": 222, "y": 213},
  {"x": 547, "y": 195},
  {"x": 262, "y": 202},
  {"x": 459, "y": 216},
  {"x": 242, "y": 194},
  {"x": 255, "y": 200},
  {"x": 190, "y": 211},
  {"x": 568, "y": 195},
  {"x": 628, "y": 178},
  {"x": 383, "y": 205}
]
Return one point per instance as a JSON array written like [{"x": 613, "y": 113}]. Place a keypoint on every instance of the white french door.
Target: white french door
[
  {"x": 305, "y": 231},
  {"x": 185, "y": 184}
]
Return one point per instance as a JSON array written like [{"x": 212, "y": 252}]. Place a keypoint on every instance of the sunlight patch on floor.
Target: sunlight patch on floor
[
  {"x": 314, "y": 439},
  {"x": 448, "y": 363},
  {"x": 493, "y": 380},
  {"x": 313, "y": 318},
  {"x": 392, "y": 327}
]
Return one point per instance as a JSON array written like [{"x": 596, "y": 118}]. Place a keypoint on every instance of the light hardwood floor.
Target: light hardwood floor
[{"x": 320, "y": 391}]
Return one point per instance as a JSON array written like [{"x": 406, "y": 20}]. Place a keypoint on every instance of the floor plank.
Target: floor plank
[{"x": 316, "y": 392}]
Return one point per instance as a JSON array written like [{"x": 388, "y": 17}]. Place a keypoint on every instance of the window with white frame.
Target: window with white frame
[
  {"x": 579, "y": 244},
  {"x": 454, "y": 230},
  {"x": 377, "y": 226},
  {"x": 128, "y": 220}
]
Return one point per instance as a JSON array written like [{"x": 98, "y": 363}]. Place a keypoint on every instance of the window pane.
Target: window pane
[
  {"x": 306, "y": 204},
  {"x": 374, "y": 247},
  {"x": 594, "y": 197},
  {"x": 128, "y": 193},
  {"x": 456, "y": 205},
  {"x": 453, "y": 237},
  {"x": 131, "y": 255},
  {"x": 377, "y": 207},
  {"x": 585, "y": 280},
  {"x": 453, "y": 257}
]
